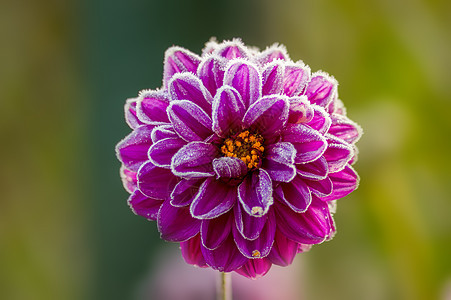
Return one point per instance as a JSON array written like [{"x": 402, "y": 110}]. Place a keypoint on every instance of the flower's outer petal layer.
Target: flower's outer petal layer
[
  {"x": 187, "y": 86},
  {"x": 155, "y": 182},
  {"x": 228, "y": 111},
  {"x": 315, "y": 170},
  {"x": 161, "y": 152},
  {"x": 245, "y": 78},
  {"x": 279, "y": 162},
  {"x": 273, "y": 76},
  {"x": 225, "y": 258},
  {"x": 189, "y": 121},
  {"x": 338, "y": 153},
  {"x": 309, "y": 143},
  {"x": 151, "y": 107},
  {"x": 231, "y": 50},
  {"x": 214, "y": 231},
  {"x": 211, "y": 73},
  {"x": 191, "y": 252},
  {"x": 128, "y": 179},
  {"x": 283, "y": 250},
  {"x": 194, "y": 160},
  {"x": 344, "y": 182},
  {"x": 132, "y": 150},
  {"x": 345, "y": 129},
  {"x": 268, "y": 116},
  {"x": 300, "y": 110},
  {"x": 320, "y": 188},
  {"x": 255, "y": 268},
  {"x": 248, "y": 226},
  {"x": 130, "y": 113},
  {"x": 178, "y": 60},
  {"x": 321, "y": 89},
  {"x": 273, "y": 53},
  {"x": 163, "y": 132},
  {"x": 321, "y": 120},
  {"x": 144, "y": 206},
  {"x": 296, "y": 77},
  {"x": 214, "y": 199},
  {"x": 176, "y": 223},
  {"x": 185, "y": 191},
  {"x": 229, "y": 167},
  {"x": 295, "y": 194},
  {"x": 255, "y": 193}
]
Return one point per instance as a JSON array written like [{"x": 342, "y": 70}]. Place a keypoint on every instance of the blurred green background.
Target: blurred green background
[{"x": 66, "y": 68}]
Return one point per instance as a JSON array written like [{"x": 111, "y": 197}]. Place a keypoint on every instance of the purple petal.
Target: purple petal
[
  {"x": 189, "y": 121},
  {"x": 261, "y": 246},
  {"x": 315, "y": 170},
  {"x": 225, "y": 258},
  {"x": 228, "y": 111},
  {"x": 309, "y": 143},
  {"x": 229, "y": 167},
  {"x": 283, "y": 250},
  {"x": 176, "y": 224},
  {"x": 344, "y": 182},
  {"x": 273, "y": 53},
  {"x": 295, "y": 79},
  {"x": 187, "y": 86},
  {"x": 300, "y": 110},
  {"x": 214, "y": 199},
  {"x": 130, "y": 113},
  {"x": 321, "y": 89},
  {"x": 232, "y": 49},
  {"x": 211, "y": 73},
  {"x": 161, "y": 152},
  {"x": 128, "y": 179},
  {"x": 320, "y": 188},
  {"x": 321, "y": 120},
  {"x": 144, "y": 206},
  {"x": 249, "y": 226},
  {"x": 295, "y": 194},
  {"x": 268, "y": 115},
  {"x": 213, "y": 232},
  {"x": 255, "y": 193},
  {"x": 273, "y": 76},
  {"x": 179, "y": 60},
  {"x": 279, "y": 162},
  {"x": 194, "y": 160},
  {"x": 151, "y": 107},
  {"x": 192, "y": 253},
  {"x": 132, "y": 150},
  {"x": 163, "y": 132},
  {"x": 245, "y": 78},
  {"x": 185, "y": 191},
  {"x": 155, "y": 182},
  {"x": 338, "y": 153},
  {"x": 345, "y": 129},
  {"x": 255, "y": 268}
]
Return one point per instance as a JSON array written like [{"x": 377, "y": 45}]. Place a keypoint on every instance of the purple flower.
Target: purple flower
[{"x": 240, "y": 156}]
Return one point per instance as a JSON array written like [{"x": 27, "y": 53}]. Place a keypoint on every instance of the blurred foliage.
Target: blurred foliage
[{"x": 68, "y": 66}]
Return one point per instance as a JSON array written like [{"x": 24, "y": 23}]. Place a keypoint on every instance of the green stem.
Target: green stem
[{"x": 225, "y": 286}]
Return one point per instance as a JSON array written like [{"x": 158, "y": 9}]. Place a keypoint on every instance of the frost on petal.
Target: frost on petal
[
  {"x": 225, "y": 258},
  {"x": 320, "y": 188},
  {"x": 229, "y": 167},
  {"x": 191, "y": 252},
  {"x": 178, "y": 60},
  {"x": 268, "y": 116},
  {"x": 344, "y": 182},
  {"x": 187, "y": 86},
  {"x": 163, "y": 132},
  {"x": 279, "y": 162},
  {"x": 215, "y": 231},
  {"x": 283, "y": 250},
  {"x": 338, "y": 153},
  {"x": 272, "y": 53},
  {"x": 321, "y": 120},
  {"x": 161, "y": 152},
  {"x": 144, "y": 206},
  {"x": 296, "y": 77},
  {"x": 185, "y": 191},
  {"x": 296, "y": 194},
  {"x": 231, "y": 50},
  {"x": 300, "y": 110},
  {"x": 130, "y": 113},
  {"x": 151, "y": 107},
  {"x": 315, "y": 170},
  {"x": 309, "y": 143},
  {"x": 132, "y": 150},
  {"x": 342, "y": 127},
  {"x": 255, "y": 268},
  {"x": 255, "y": 193},
  {"x": 321, "y": 89},
  {"x": 176, "y": 224},
  {"x": 155, "y": 182},
  {"x": 194, "y": 160},
  {"x": 211, "y": 73},
  {"x": 128, "y": 178},
  {"x": 273, "y": 76},
  {"x": 245, "y": 78},
  {"x": 210, "y": 47},
  {"x": 189, "y": 121},
  {"x": 214, "y": 199},
  {"x": 228, "y": 111},
  {"x": 249, "y": 226}
]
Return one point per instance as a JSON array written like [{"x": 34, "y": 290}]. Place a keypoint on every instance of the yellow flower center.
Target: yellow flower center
[{"x": 246, "y": 146}]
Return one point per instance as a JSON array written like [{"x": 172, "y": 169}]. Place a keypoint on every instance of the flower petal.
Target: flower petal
[
  {"x": 345, "y": 129},
  {"x": 232, "y": 49},
  {"x": 229, "y": 167},
  {"x": 315, "y": 170},
  {"x": 189, "y": 121},
  {"x": 268, "y": 116},
  {"x": 300, "y": 110},
  {"x": 344, "y": 182},
  {"x": 128, "y": 179},
  {"x": 187, "y": 86},
  {"x": 185, "y": 191},
  {"x": 321, "y": 120},
  {"x": 161, "y": 152},
  {"x": 214, "y": 231},
  {"x": 273, "y": 53},
  {"x": 214, "y": 199},
  {"x": 194, "y": 160},
  {"x": 309, "y": 143},
  {"x": 132, "y": 150},
  {"x": 163, "y": 132},
  {"x": 176, "y": 224},
  {"x": 211, "y": 73},
  {"x": 283, "y": 250},
  {"x": 320, "y": 188},
  {"x": 273, "y": 76},
  {"x": 155, "y": 182},
  {"x": 255, "y": 268},
  {"x": 295, "y": 194},
  {"x": 144, "y": 206},
  {"x": 255, "y": 193},
  {"x": 321, "y": 89},
  {"x": 179, "y": 60},
  {"x": 151, "y": 107},
  {"x": 192, "y": 253},
  {"x": 249, "y": 226},
  {"x": 245, "y": 78},
  {"x": 130, "y": 113},
  {"x": 225, "y": 258},
  {"x": 296, "y": 77},
  {"x": 338, "y": 153},
  {"x": 228, "y": 111},
  {"x": 279, "y": 162}
]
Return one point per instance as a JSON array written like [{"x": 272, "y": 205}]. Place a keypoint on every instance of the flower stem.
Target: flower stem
[{"x": 225, "y": 286}]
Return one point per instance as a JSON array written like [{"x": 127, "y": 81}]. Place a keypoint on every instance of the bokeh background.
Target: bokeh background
[{"x": 66, "y": 68}]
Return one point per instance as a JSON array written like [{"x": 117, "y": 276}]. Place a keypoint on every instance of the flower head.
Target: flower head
[{"x": 239, "y": 156}]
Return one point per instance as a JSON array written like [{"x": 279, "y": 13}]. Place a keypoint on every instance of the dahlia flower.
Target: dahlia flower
[{"x": 239, "y": 156}]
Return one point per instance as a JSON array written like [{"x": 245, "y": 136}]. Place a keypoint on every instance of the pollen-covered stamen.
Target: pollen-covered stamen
[
  {"x": 246, "y": 146},
  {"x": 256, "y": 254}
]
